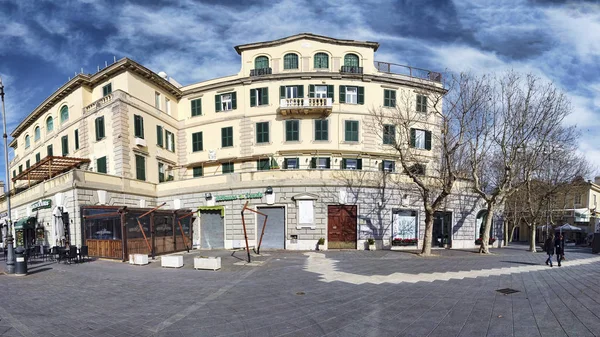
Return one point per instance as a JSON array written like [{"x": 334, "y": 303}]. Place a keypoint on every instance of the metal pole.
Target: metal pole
[{"x": 10, "y": 259}]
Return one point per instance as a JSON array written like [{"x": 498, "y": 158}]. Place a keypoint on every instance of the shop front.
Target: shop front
[{"x": 25, "y": 232}]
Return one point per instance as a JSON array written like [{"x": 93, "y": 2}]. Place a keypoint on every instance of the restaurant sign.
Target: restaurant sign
[
  {"x": 239, "y": 196},
  {"x": 46, "y": 203}
]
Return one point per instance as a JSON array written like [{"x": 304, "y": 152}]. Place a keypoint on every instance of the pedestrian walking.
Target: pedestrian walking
[
  {"x": 559, "y": 246},
  {"x": 549, "y": 245}
]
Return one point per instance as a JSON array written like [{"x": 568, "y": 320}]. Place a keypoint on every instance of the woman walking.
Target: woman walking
[
  {"x": 549, "y": 245},
  {"x": 560, "y": 248}
]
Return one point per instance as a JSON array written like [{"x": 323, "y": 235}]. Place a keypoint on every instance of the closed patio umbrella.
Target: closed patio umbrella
[{"x": 57, "y": 223}]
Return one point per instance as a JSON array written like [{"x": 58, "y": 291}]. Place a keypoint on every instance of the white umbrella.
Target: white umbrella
[
  {"x": 4, "y": 225},
  {"x": 57, "y": 223},
  {"x": 568, "y": 228}
]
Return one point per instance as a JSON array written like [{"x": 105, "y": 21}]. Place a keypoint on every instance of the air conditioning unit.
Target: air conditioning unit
[{"x": 140, "y": 142}]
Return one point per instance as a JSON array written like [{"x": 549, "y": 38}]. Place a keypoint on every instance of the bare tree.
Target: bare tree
[
  {"x": 425, "y": 130},
  {"x": 509, "y": 139}
]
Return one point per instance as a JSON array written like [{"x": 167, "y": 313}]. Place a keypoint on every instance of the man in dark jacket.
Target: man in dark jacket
[
  {"x": 549, "y": 245},
  {"x": 559, "y": 245}
]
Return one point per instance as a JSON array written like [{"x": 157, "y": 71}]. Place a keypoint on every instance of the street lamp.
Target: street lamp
[{"x": 10, "y": 259}]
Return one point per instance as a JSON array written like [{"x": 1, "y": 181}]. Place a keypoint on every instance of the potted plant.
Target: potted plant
[
  {"x": 274, "y": 165},
  {"x": 321, "y": 244},
  {"x": 371, "y": 243}
]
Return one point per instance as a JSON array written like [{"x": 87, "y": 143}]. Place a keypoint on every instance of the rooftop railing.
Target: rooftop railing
[{"x": 399, "y": 69}]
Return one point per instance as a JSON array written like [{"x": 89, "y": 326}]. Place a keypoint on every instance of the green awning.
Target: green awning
[
  {"x": 25, "y": 223},
  {"x": 213, "y": 208}
]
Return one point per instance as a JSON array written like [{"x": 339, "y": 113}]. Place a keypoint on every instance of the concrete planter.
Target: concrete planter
[
  {"x": 372, "y": 247},
  {"x": 211, "y": 263},
  {"x": 322, "y": 247},
  {"x": 172, "y": 261},
  {"x": 138, "y": 259}
]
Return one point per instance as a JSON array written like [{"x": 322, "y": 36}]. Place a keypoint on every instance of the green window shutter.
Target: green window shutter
[
  {"x": 361, "y": 95},
  {"x": 300, "y": 91},
  {"x": 330, "y": 92},
  {"x": 328, "y": 163},
  {"x": 65, "y": 145},
  {"x": 393, "y": 98},
  {"x": 138, "y": 126},
  {"x": 282, "y": 92},
  {"x": 342, "y": 94},
  {"x": 311, "y": 91},
  {"x": 27, "y": 164},
  {"x": 101, "y": 165},
  {"x": 348, "y": 131},
  {"x": 197, "y": 171},
  {"x": 37, "y": 157},
  {"x": 264, "y": 96},
  {"x": 197, "y": 142},
  {"x": 49, "y": 151},
  {"x": 76, "y": 139},
  {"x": 343, "y": 163},
  {"x": 196, "y": 106},
  {"x": 234, "y": 100},
  {"x": 285, "y": 164},
  {"x": 252, "y": 97},
  {"x": 96, "y": 129},
  {"x": 217, "y": 103},
  {"x": 313, "y": 162},
  {"x": 413, "y": 137},
  {"x": 386, "y": 98},
  {"x": 427, "y": 140},
  {"x": 14, "y": 173},
  {"x": 159, "y": 136},
  {"x": 100, "y": 132},
  {"x": 359, "y": 164},
  {"x": 140, "y": 167}
]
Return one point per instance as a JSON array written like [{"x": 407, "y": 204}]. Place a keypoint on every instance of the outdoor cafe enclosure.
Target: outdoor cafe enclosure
[{"x": 115, "y": 232}]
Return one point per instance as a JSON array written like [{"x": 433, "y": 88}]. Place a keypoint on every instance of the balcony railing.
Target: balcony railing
[
  {"x": 261, "y": 71},
  {"x": 99, "y": 103},
  {"x": 351, "y": 70},
  {"x": 306, "y": 105},
  {"x": 392, "y": 68}
]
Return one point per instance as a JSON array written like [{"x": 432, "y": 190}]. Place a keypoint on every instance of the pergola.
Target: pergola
[{"x": 48, "y": 167}]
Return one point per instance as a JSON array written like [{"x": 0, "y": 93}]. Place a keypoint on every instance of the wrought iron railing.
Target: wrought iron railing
[
  {"x": 393, "y": 68},
  {"x": 261, "y": 71},
  {"x": 306, "y": 102},
  {"x": 351, "y": 70}
]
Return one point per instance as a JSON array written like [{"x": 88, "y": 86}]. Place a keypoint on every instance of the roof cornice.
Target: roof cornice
[{"x": 325, "y": 39}]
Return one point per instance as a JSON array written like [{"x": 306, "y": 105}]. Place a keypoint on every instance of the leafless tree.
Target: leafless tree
[{"x": 426, "y": 129}]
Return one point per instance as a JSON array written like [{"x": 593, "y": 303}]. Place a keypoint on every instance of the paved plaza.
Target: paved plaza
[{"x": 333, "y": 293}]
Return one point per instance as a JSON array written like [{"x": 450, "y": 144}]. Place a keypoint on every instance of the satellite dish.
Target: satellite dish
[{"x": 163, "y": 75}]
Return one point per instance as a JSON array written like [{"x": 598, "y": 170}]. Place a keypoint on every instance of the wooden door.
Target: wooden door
[{"x": 341, "y": 227}]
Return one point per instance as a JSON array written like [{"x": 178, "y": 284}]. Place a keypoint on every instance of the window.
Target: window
[
  {"x": 290, "y": 61},
  {"x": 321, "y": 61},
  {"x": 197, "y": 142},
  {"x": 167, "y": 106},
  {"x": 37, "y": 134},
  {"x": 320, "y": 163},
  {"x": 578, "y": 199},
  {"x": 65, "y": 145},
  {"x": 197, "y": 171},
  {"x": 27, "y": 162},
  {"x": 418, "y": 169},
  {"x": 140, "y": 167},
  {"x": 64, "y": 114},
  {"x": 196, "y": 107},
  {"x": 227, "y": 136},
  {"x": 100, "y": 128},
  {"x": 49, "y": 150},
  {"x": 388, "y": 166},
  {"x": 261, "y": 62},
  {"x": 226, "y": 102},
  {"x": 20, "y": 169},
  {"x": 351, "y": 164},
  {"x": 159, "y": 136},
  {"x": 161, "y": 172},
  {"x": 352, "y": 95},
  {"x": 422, "y": 103},
  {"x": 420, "y": 139},
  {"x": 170, "y": 140},
  {"x": 259, "y": 96},
  {"x": 107, "y": 89},
  {"x": 389, "y": 134},
  {"x": 351, "y": 60},
  {"x": 262, "y": 132},
  {"x": 76, "y": 140},
  {"x": 27, "y": 141},
  {"x": 405, "y": 225},
  {"x": 263, "y": 164},
  {"x": 227, "y": 168},
  {"x": 138, "y": 126},
  {"x": 291, "y": 163},
  {"x": 321, "y": 129},
  {"x": 351, "y": 131},
  {"x": 320, "y": 91},
  {"x": 157, "y": 99},
  {"x": 49, "y": 124},
  {"x": 292, "y": 130},
  {"x": 14, "y": 173},
  {"x": 389, "y": 98},
  {"x": 38, "y": 157},
  {"x": 101, "y": 165}
]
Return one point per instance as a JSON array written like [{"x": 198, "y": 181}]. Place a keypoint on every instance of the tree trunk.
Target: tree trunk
[
  {"x": 512, "y": 232},
  {"x": 505, "y": 232},
  {"x": 532, "y": 238},
  {"x": 426, "y": 250},
  {"x": 484, "y": 248}
]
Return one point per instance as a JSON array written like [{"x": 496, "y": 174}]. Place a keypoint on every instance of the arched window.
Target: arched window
[
  {"x": 321, "y": 61},
  {"x": 290, "y": 61},
  {"x": 37, "y": 134},
  {"x": 261, "y": 62},
  {"x": 49, "y": 124},
  {"x": 27, "y": 141},
  {"x": 64, "y": 114},
  {"x": 351, "y": 60}
]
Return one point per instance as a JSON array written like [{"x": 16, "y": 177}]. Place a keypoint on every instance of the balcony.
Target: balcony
[
  {"x": 351, "y": 70},
  {"x": 412, "y": 72},
  {"x": 261, "y": 71},
  {"x": 305, "y": 106}
]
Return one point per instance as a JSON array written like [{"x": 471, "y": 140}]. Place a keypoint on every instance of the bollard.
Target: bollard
[{"x": 20, "y": 262}]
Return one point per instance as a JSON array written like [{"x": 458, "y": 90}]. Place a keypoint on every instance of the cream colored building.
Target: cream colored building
[{"x": 281, "y": 134}]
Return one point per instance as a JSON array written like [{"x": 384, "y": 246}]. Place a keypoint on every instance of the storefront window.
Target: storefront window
[{"x": 405, "y": 229}]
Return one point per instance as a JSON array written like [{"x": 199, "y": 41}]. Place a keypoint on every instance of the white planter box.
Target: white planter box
[
  {"x": 173, "y": 261},
  {"x": 212, "y": 263},
  {"x": 322, "y": 247},
  {"x": 372, "y": 247},
  {"x": 138, "y": 259}
]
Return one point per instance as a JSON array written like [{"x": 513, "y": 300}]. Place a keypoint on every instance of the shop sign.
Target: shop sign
[
  {"x": 46, "y": 203},
  {"x": 239, "y": 196},
  {"x": 4, "y": 215}
]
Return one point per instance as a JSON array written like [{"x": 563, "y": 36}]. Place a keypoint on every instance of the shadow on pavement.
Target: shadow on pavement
[{"x": 521, "y": 262}]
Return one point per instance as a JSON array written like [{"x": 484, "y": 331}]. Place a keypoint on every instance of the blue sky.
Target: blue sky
[{"x": 42, "y": 43}]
